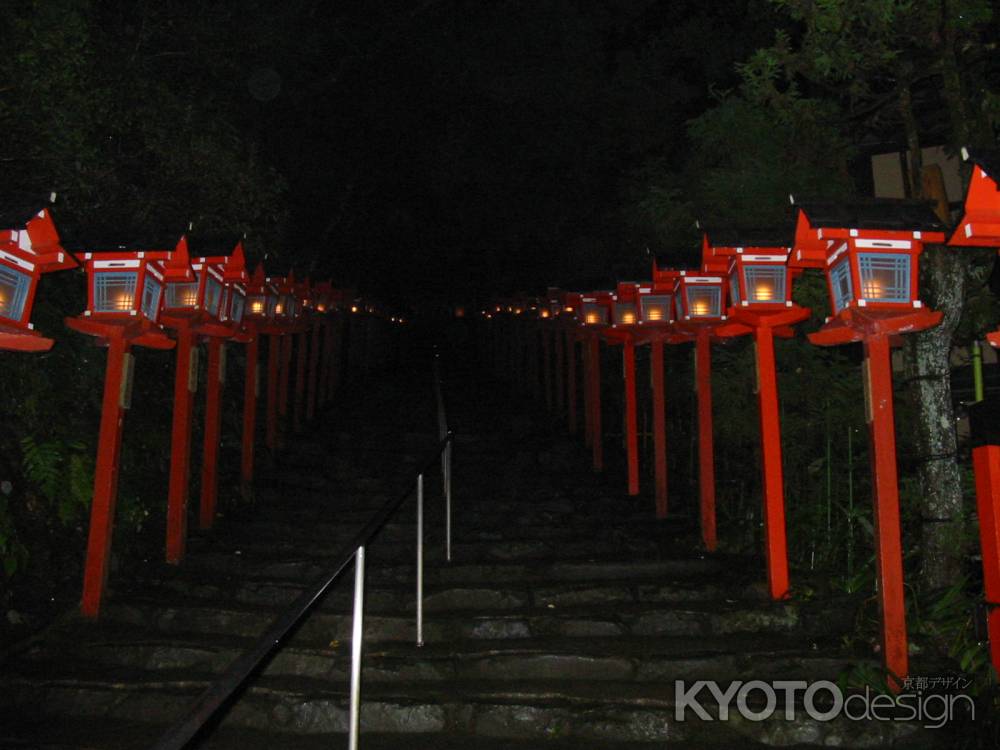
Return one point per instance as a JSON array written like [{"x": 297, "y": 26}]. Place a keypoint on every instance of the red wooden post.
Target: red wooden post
[
  {"x": 300, "y": 380},
  {"x": 571, "y": 381},
  {"x": 596, "y": 438},
  {"x": 986, "y": 460},
  {"x": 547, "y": 365},
  {"x": 659, "y": 428},
  {"x": 588, "y": 408},
  {"x": 251, "y": 389},
  {"x": 273, "y": 349},
  {"x": 889, "y": 553},
  {"x": 332, "y": 329},
  {"x": 102, "y": 508},
  {"x": 185, "y": 384},
  {"x": 314, "y": 357},
  {"x": 215, "y": 376},
  {"x": 775, "y": 543},
  {"x": 631, "y": 420},
  {"x": 706, "y": 455},
  {"x": 284, "y": 376},
  {"x": 560, "y": 369},
  {"x": 534, "y": 358}
]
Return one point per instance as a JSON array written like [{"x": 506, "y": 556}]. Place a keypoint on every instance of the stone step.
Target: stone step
[
  {"x": 726, "y": 658},
  {"x": 85, "y": 734},
  {"x": 606, "y": 711},
  {"x": 383, "y": 595},
  {"x": 542, "y": 572},
  {"x": 646, "y": 619}
]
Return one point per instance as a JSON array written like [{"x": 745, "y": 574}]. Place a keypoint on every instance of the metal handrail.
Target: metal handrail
[{"x": 226, "y": 685}]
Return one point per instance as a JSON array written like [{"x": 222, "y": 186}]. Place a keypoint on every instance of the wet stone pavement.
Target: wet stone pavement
[{"x": 563, "y": 620}]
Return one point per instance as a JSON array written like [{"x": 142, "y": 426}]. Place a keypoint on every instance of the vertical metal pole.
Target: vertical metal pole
[
  {"x": 447, "y": 499},
  {"x": 356, "y": 636},
  {"x": 420, "y": 560},
  {"x": 977, "y": 370}
]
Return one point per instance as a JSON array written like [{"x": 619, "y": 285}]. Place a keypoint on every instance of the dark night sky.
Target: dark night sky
[{"x": 444, "y": 148}]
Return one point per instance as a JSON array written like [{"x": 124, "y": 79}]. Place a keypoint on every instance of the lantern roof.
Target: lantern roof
[
  {"x": 728, "y": 240},
  {"x": 980, "y": 222},
  {"x": 987, "y": 159},
  {"x": 32, "y": 234},
  {"x": 886, "y": 214}
]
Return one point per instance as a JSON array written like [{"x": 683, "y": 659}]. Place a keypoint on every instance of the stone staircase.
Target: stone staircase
[{"x": 563, "y": 621}]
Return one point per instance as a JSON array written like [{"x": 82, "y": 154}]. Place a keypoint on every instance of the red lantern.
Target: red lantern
[
  {"x": 980, "y": 227},
  {"x": 760, "y": 286},
  {"x": 25, "y": 254},
  {"x": 980, "y": 223},
  {"x": 124, "y": 297},
  {"x": 222, "y": 322},
  {"x": 869, "y": 252},
  {"x": 625, "y": 312}
]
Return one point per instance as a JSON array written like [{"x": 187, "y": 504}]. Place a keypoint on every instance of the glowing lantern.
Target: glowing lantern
[
  {"x": 869, "y": 251},
  {"x": 25, "y": 254},
  {"x": 124, "y": 291}
]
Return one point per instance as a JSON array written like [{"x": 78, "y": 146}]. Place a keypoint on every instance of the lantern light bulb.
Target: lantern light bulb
[
  {"x": 568, "y": 308},
  {"x": 700, "y": 307},
  {"x": 545, "y": 313},
  {"x": 257, "y": 307},
  {"x": 124, "y": 302},
  {"x": 591, "y": 318},
  {"x": 763, "y": 293},
  {"x": 628, "y": 319},
  {"x": 354, "y": 308},
  {"x": 654, "y": 313}
]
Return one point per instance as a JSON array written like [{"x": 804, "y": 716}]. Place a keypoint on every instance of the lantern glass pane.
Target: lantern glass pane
[
  {"x": 885, "y": 277},
  {"x": 272, "y": 306},
  {"x": 594, "y": 314},
  {"x": 14, "y": 285},
  {"x": 115, "y": 292},
  {"x": 840, "y": 285},
  {"x": 184, "y": 294},
  {"x": 734, "y": 289},
  {"x": 704, "y": 301},
  {"x": 237, "y": 306},
  {"x": 213, "y": 295},
  {"x": 151, "y": 291},
  {"x": 656, "y": 308},
  {"x": 765, "y": 284},
  {"x": 258, "y": 304},
  {"x": 625, "y": 314}
]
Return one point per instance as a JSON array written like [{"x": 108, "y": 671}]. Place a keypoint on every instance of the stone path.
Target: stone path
[{"x": 563, "y": 621}]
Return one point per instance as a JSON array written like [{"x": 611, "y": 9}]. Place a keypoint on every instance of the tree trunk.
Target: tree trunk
[{"x": 943, "y": 274}]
